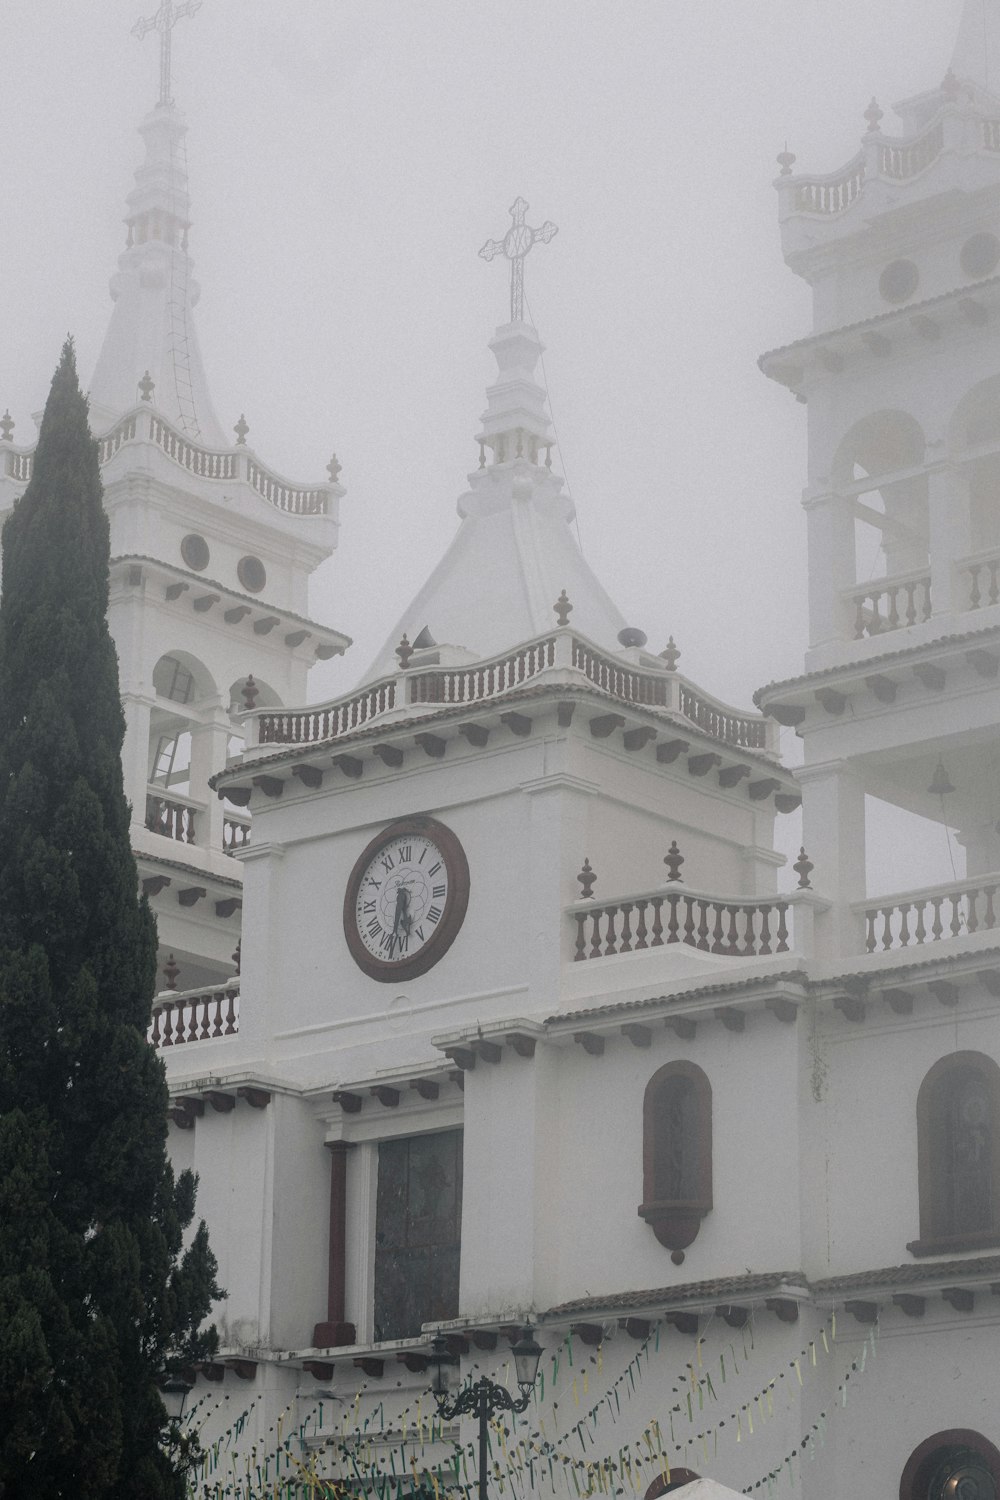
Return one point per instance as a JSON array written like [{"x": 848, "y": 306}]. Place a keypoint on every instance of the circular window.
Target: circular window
[
  {"x": 194, "y": 551},
  {"x": 898, "y": 281},
  {"x": 980, "y": 255},
  {"x": 252, "y": 574}
]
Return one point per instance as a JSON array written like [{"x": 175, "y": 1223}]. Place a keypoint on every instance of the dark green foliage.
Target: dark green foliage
[{"x": 97, "y": 1298}]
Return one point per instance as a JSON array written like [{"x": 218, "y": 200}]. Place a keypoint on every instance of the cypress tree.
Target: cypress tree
[{"x": 98, "y": 1297}]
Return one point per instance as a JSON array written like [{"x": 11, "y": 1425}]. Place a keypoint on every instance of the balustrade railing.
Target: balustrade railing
[
  {"x": 890, "y": 603},
  {"x": 171, "y": 818},
  {"x": 932, "y": 915},
  {"x": 309, "y": 726},
  {"x": 906, "y": 158},
  {"x": 733, "y": 927},
  {"x": 194, "y": 1016},
  {"x": 721, "y": 722},
  {"x": 206, "y": 463},
  {"x": 982, "y": 575},
  {"x": 235, "y": 833},
  {"x": 19, "y": 466},
  {"x": 831, "y": 195},
  {"x": 123, "y": 432},
  {"x": 627, "y": 684},
  {"x": 484, "y": 680},
  {"x": 296, "y": 500}
]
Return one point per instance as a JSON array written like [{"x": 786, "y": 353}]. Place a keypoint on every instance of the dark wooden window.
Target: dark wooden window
[
  {"x": 957, "y": 1462},
  {"x": 418, "y": 1223},
  {"x": 958, "y": 1147},
  {"x": 676, "y": 1153}
]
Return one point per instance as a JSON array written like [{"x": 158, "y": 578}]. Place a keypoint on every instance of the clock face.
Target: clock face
[{"x": 406, "y": 899}]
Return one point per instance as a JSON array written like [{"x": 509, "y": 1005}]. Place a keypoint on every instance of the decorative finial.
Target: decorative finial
[
  {"x": 237, "y": 953},
  {"x": 803, "y": 868},
  {"x": 950, "y": 86},
  {"x": 6, "y": 426},
  {"x": 786, "y": 160},
  {"x": 403, "y": 653},
  {"x": 250, "y": 692},
  {"x": 171, "y": 969},
  {"x": 563, "y": 609},
  {"x": 147, "y": 385},
  {"x": 241, "y": 429},
  {"x": 515, "y": 245},
  {"x": 873, "y": 114},
  {"x": 333, "y": 469},
  {"x": 164, "y": 22},
  {"x": 673, "y": 859},
  {"x": 586, "y": 877},
  {"x": 671, "y": 655},
  {"x": 941, "y": 785}
]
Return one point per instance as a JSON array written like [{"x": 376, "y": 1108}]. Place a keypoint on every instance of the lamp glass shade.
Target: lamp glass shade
[
  {"x": 526, "y": 1354},
  {"x": 173, "y": 1393}
]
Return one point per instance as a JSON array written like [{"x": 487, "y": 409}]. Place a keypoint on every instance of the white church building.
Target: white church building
[{"x": 529, "y": 1026}]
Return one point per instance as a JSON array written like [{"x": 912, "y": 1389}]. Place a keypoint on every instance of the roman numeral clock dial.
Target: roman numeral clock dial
[{"x": 406, "y": 899}]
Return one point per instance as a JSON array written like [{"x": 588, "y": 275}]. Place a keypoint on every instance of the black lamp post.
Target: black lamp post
[{"x": 484, "y": 1399}]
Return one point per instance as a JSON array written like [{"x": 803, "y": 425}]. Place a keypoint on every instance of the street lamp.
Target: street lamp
[
  {"x": 484, "y": 1399},
  {"x": 173, "y": 1393}
]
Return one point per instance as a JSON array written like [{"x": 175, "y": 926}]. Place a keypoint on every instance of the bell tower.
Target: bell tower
[
  {"x": 211, "y": 556},
  {"x": 901, "y": 375}
]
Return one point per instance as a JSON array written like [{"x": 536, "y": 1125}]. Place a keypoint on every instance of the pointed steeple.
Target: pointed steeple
[
  {"x": 976, "y": 58},
  {"x": 152, "y": 325},
  {"x": 515, "y": 550}
]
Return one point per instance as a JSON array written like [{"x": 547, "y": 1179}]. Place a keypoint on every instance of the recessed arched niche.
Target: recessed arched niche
[{"x": 676, "y": 1154}]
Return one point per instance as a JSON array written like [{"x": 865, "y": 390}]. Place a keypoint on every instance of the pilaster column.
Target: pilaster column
[
  {"x": 832, "y": 567},
  {"x": 833, "y": 830},
  {"x": 335, "y": 1332},
  {"x": 949, "y": 514},
  {"x": 209, "y": 744},
  {"x": 135, "y": 752}
]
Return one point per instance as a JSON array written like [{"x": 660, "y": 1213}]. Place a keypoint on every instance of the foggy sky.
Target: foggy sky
[{"x": 348, "y": 157}]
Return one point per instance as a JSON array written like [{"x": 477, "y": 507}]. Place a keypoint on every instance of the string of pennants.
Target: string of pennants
[{"x": 387, "y": 1460}]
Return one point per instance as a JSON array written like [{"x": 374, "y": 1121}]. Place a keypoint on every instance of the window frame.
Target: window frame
[{"x": 932, "y": 1170}]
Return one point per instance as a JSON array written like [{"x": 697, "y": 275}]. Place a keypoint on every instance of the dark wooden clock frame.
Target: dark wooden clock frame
[{"x": 447, "y": 930}]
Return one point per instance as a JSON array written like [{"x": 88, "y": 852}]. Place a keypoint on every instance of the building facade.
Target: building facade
[{"x": 532, "y": 1027}]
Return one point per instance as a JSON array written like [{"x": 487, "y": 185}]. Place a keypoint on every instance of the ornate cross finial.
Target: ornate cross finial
[
  {"x": 6, "y": 426},
  {"x": 164, "y": 22},
  {"x": 515, "y": 245},
  {"x": 241, "y": 429}
]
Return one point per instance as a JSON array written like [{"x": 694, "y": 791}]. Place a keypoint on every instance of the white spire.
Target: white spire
[
  {"x": 152, "y": 327},
  {"x": 976, "y": 58},
  {"x": 515, "y": 550}
]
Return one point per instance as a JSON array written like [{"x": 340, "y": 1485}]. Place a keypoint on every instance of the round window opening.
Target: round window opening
[
  {"x": 252, "y": 574},
  {"x": 898, "y": 281},
  {"x": 194, "y": 551},
  {"x": 980, "y": 255}
]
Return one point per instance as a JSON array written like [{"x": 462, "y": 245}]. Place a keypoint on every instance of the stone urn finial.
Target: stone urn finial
[
  {"x": 803, "y": 868},
  {"x": 671, "y": 655},
  {"x": 586, "y": 877},
  {"x": 250, "y": 693},
  {"x": 673, "y": 859},
  {"x": 403, "y": 653},
  {"x": 563, "y": 609},
  {"x": 171, "y": 969}
]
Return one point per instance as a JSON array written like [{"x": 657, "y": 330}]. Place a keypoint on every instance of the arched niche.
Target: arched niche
[
  {"x": 956, "y": 1464},
  {"x": 875, "y": 464},
  {"x": 184, "y": 688},
  {"x": 676, "y": 1154},
  {"x": 958, "y": 1154},
  {"x": 974, "y": 442}
]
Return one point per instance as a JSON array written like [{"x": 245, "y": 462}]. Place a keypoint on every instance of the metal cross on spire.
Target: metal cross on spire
[
  {"x": 164, "y": 22},
  {"x": 515, "y": 245}
]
